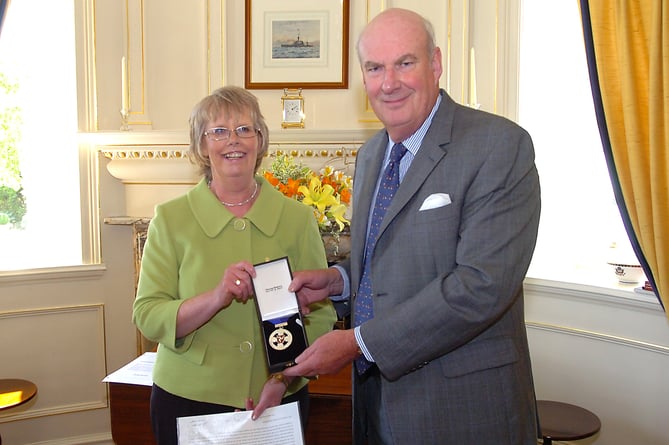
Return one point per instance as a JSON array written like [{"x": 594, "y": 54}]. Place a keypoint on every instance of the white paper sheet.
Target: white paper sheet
[
  {"x": 137, "y": 372},
  {"x": 279, "y": 425}
]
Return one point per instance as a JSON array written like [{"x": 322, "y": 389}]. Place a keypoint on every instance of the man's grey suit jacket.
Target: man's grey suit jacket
[{"x": 448, "y": 332}]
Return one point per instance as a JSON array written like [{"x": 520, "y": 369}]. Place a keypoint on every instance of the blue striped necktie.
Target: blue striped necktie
[{"x": 363, "y": 309}]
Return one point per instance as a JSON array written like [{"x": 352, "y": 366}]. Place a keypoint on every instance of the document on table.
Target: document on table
[
  {"x": 279, "y": 425},
  {"x": 137, "y": 372}
]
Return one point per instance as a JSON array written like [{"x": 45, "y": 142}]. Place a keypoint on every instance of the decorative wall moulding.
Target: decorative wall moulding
[
  {"x": 162, "y": 157},
  {"x": 160, "y": 165},
  {"x": 180, "y": 137},
  {"x": 143, "y": 153},
  {"x": 153, "y": 171},
  {"x": 58, "y": 394}
]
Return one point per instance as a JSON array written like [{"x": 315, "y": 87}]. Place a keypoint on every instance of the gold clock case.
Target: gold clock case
[{"x": 290, "y": 96}]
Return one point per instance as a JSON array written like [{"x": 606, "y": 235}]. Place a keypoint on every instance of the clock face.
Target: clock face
[{"x": 292, "y": 110}]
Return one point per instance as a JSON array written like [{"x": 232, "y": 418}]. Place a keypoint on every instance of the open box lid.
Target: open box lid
[{"x": 271, "y": 290}]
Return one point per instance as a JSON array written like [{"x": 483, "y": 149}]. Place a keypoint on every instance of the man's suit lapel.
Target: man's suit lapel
[
  {"x": 368, "y": 169},
  {"x": 431, "y": 151},
  {"x": 422, "y": 166}
]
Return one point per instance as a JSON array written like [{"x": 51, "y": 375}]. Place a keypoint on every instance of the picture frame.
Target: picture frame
[{"x": 296, "y": 44}]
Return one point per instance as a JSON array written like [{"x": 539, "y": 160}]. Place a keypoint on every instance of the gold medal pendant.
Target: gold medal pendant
[{"x": 281, "y": 338}]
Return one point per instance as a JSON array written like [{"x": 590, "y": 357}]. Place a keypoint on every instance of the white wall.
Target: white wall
[{"x": 605, "y": 350}]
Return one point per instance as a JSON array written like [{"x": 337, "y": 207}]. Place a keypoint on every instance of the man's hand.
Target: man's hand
[
  {"x": 327, "y": 355},
  {"x": 312, "y": 286}
]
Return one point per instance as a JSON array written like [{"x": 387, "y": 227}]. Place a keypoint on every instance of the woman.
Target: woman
[{"x": 197, "y": 269}]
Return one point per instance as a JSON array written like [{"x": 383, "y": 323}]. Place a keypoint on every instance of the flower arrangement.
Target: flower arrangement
[{"x": 328, "y": 192}]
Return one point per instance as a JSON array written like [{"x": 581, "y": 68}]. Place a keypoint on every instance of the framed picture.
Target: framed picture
[{"x": 296, "y": 44}]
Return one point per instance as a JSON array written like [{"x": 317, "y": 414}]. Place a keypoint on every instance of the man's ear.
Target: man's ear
[{"x": 437, "y": 67}]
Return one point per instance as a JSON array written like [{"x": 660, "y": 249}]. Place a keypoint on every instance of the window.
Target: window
[
  {"x": 37, "y": 56},
  {"x": 580, "y": 221}
]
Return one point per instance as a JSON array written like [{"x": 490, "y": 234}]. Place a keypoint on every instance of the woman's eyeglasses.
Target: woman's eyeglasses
[{"x": 223, "y": 134}]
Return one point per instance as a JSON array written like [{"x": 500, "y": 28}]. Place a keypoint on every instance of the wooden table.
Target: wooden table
[
  {"x": 14, "y": 392},
  {"x": 130, "y": 417},
  {"x": 563, "y": 421},
  {"x": 330, "y": 412}
]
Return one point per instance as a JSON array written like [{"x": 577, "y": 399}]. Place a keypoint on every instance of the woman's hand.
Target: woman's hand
[
  {"x": 236, "y": 284},
  {"x": 271, "y": 394}
]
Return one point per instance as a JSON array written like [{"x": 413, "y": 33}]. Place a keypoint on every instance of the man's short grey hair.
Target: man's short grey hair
[{"x": 427, "y": 27}]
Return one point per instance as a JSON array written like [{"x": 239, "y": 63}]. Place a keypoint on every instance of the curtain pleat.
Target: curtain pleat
[
  {"x": 4, "y": 4},
  {"x": 627, "y": 43}
]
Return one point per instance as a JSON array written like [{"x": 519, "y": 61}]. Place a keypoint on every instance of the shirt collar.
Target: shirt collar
[{"x": 413, "y": 142}]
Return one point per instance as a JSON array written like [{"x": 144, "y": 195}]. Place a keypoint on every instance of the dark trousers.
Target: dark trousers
[
  {"x": 166, "y": 408},
  {"x": 371, "y": 424}
]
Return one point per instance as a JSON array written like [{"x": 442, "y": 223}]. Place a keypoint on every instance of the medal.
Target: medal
[{"x": 280, "y": 338}]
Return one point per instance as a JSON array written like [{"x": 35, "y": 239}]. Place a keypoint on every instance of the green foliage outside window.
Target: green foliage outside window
[{"x": 12, "y": 201}]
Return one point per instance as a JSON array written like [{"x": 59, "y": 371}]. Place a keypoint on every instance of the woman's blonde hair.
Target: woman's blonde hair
[{"x": 230, "y": 101}]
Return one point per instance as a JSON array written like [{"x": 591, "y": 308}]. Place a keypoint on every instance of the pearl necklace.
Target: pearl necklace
[{"x": 237, "y": 204}]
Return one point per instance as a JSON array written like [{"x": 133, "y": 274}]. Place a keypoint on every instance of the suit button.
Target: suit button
[
  {"x": 245, "y": 346},
  {"x": 416, "y": 368}
]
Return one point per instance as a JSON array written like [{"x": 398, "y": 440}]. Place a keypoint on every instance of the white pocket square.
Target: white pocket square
[{"x": 435, "y": 201}]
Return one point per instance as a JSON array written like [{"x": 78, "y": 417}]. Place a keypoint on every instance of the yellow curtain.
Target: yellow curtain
[
  {"x": 631, "y": 48},
  {"x": 4, "y": 5}
]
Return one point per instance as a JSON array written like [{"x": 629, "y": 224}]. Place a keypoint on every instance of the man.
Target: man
[{"x": 446, "y": 337}]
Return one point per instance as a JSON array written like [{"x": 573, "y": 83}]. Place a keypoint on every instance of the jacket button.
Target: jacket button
[
  {"x": 239, "y": 225},
  {"x": 245, "y": 346}
]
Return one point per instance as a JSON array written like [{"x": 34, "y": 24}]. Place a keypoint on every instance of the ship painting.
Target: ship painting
[
  {"x": 299, "y": 43},
  {"x": 306, "y": 45}
]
